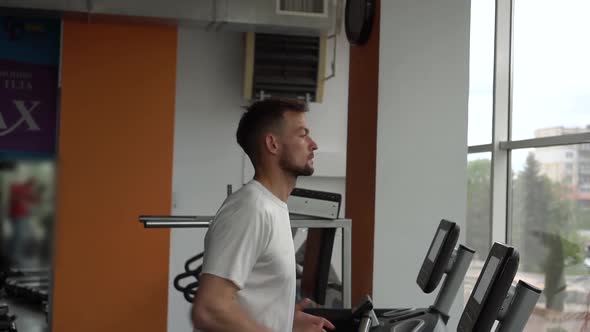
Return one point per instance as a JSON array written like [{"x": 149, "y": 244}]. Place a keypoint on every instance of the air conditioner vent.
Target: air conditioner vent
[
  {"x": 303, "y": 7},
  {"x": 286, "y": 66}
]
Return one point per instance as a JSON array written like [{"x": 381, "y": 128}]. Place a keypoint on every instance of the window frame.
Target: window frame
[{"x": 502, "y": 145}]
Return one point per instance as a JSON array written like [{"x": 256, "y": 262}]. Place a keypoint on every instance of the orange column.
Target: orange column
[
  {"x": 361, "y": 157},
  {"x": 115, "y": 163}
]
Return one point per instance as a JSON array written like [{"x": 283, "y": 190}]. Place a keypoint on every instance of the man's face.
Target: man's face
[{"x": 296, "y": 154}]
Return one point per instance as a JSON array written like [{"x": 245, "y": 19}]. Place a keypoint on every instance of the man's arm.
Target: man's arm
[
  {"x": 305, "y": 322},
  {"x": 216, "y": 307}
]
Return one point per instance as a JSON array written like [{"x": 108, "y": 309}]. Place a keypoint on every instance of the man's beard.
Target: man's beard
[{"x": 290, "y": 167}]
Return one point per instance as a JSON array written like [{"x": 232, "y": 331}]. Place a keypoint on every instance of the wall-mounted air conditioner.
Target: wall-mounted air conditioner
[
  {"x": 284, "y": 66},
  {"x": 303, "y": 17},
  {"x": 312, "y": 8}
]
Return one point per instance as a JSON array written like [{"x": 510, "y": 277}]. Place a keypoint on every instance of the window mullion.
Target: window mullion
[{"x": 500, "y": 172}]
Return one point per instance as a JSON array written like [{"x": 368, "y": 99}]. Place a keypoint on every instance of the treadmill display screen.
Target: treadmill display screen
[
  {"x": 493, "y": 284},
  {"x": 487, "y": 276},
  {"x": 440, "y": 236},
  {"x": 438, "y": 255}
]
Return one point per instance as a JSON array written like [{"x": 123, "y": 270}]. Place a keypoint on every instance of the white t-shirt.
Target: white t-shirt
[{"x": 250, "y": 243}]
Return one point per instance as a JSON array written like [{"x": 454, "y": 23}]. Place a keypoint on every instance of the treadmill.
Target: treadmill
[
  {"x": 441, "y": 258},
  {"x": 493, "y": 298}
]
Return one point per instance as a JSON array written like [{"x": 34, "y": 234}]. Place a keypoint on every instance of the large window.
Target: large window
[
  {"x": 481, "y": 88},
  {"x": 529, "y": 157}
]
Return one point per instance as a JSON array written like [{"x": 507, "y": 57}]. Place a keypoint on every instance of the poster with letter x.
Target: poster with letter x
[{"x": 29, "y": 53}]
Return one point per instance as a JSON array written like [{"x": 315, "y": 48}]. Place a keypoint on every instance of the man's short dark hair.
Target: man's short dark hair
[{"x": 262, "y": 117}]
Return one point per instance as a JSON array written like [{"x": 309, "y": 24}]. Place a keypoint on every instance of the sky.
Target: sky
[{"x": 551, "y": 79}]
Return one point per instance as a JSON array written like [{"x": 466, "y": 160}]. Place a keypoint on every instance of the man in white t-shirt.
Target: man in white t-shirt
[{"x": 248, "y": 277}]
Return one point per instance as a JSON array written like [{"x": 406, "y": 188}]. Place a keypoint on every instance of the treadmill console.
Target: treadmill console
[
  {"x": 491, "y": 288},
  {"x": 365, "y": 304},
  {"x": 438, "y": 256}
]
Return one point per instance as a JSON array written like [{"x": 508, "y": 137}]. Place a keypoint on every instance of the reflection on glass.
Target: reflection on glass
[
  {"x": 551, "y": 229},
  {"x": 27, "y": 212},
  {"x": 477, "y": 228},
  {"x": 481, "y": 72},
  {"x": 551, "y": 67}
]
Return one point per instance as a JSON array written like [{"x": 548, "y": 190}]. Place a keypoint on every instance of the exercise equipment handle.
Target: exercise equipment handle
[{"x": 365, "y": 324}]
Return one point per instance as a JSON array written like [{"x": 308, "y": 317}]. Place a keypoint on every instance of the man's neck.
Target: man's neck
[{"x": 278, "y": 183}]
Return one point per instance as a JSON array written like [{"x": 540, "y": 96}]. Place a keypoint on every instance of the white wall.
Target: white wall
[
  {"x": 421, "y": 141},
  {"x": 206, "y": 156}
]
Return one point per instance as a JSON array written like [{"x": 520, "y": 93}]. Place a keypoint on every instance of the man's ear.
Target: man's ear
[{"x": 271, "y": 144}]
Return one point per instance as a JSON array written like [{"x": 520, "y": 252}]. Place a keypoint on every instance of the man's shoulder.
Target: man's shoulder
[
  {"x": 249, "y": 195},
  {"x": 245, "y": 202}
]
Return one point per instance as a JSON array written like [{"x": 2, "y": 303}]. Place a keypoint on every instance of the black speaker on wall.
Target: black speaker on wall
[{"x": 284, "y": 66}]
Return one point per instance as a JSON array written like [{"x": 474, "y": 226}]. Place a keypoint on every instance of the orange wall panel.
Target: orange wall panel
[
  {"x": 361, "y": 157},
  {"x": 115, "y": 163}
]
